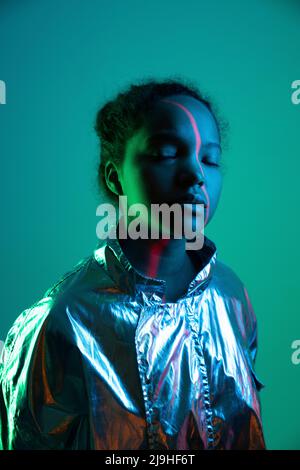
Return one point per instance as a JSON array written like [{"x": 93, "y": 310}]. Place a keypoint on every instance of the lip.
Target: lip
[{"x": 192, "y": 200}]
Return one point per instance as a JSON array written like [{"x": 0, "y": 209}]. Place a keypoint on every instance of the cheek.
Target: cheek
[
  {"x": 214, "y": 188},
  {"x": 139, "y": 184},
  {"x": 156, "y": 182},
  {"x": 129, "y": 182}
]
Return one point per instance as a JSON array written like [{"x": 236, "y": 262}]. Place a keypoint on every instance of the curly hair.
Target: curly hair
[{"x": 120, "y": 117}]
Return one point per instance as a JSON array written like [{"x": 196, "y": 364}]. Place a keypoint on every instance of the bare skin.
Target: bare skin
[
  {"x": 175, "y": 265},
  {"x": 163, "y": 170}
]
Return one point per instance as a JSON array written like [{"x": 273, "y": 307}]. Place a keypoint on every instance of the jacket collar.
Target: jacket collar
[{"x": 110, "y": 255}]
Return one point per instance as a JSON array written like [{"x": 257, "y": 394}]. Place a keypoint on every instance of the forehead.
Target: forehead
[{"x": 183, "y": 116}]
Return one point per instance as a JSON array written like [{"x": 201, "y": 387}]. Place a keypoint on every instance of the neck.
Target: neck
[{"x": 159, "y": 258}]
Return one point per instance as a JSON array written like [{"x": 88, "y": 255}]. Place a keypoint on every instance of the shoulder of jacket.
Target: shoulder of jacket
[
  {"x": 234, "y": 289},
  {"x": 69, "y": 277},
  {"x": 29, "y": 322},
  {"x": 24, "y": 330},
  {"x": 51, "y": 312},
  {"x": 225, "y": 276}
]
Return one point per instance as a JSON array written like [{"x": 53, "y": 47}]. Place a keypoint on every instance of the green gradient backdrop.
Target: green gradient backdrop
[{"x": 62, "y": 59}]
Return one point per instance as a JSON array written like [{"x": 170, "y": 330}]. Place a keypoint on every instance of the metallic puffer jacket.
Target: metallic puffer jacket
[{"x": 102, "y": 362}]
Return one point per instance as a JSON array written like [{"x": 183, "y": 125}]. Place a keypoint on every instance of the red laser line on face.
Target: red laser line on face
[
  {"x": 198, "y": 145},
  {"x": 155, "y": 251}
]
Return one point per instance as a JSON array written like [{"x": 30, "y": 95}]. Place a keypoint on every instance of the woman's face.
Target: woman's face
[{"x": 176, "y": 152}]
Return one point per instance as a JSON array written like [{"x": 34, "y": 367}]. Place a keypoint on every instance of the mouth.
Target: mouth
[
  {"x": 194, "y": 199},
  {"x": 193, "y": 208},
  {"x": 194, "y": 202}
]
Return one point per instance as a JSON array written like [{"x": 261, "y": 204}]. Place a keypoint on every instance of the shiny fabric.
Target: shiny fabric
[{"x": 103, "y": 362}]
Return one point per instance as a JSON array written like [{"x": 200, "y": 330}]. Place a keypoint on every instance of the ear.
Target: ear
[{"x": 112, "y": 178}]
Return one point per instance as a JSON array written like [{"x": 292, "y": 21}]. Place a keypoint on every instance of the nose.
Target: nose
[{"x": 191, "y": 173}]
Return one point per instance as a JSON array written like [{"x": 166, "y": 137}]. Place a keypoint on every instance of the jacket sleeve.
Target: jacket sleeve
[
  {"x": 253, "y": 341},
  {"x": 252, "y": 337},
  {"x": 251, "y": 327},
  {"x": 42, "y": 394}
]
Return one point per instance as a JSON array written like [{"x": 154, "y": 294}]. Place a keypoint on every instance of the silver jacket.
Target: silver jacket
[{"x": 102, "y": 362}]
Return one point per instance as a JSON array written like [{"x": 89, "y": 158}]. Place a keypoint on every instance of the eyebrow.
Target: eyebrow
[{"x": 171, "y": 135}]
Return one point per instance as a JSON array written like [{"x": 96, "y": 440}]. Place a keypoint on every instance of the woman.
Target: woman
[{"x": 144, "y": 344}]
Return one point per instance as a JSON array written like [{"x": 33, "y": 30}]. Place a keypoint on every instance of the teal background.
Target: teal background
[{"x": 62, "y": 59}]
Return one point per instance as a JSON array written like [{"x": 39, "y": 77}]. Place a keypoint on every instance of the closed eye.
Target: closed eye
[
  {"x": 165, "y": 152},
  {"x": 164, "y": 157},
  {"x": 209, "y": 162}
]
